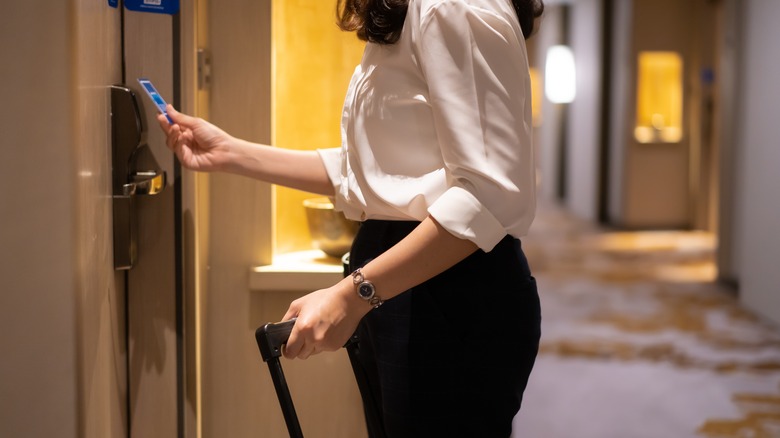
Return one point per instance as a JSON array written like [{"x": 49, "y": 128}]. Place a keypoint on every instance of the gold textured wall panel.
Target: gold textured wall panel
[{"x": 313, "y": 62}]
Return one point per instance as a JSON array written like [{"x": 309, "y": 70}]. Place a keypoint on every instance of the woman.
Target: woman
[{"x": 436, "y": 162}]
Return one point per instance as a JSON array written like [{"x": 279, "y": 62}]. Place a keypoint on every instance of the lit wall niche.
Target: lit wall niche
[
  {"x": 313, "y": 61},
  {"x": 536, "y": 96},
  {"x": 659, "y": 98}
]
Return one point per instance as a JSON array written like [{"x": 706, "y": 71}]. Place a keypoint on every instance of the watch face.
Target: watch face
[{"x": 366, "y": 290}]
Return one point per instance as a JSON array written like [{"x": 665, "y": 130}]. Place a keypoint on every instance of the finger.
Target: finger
[
  {"x": 175, "y": 140},
  {"x": 180, "y": 118},
  {"x": 166, "y": 127},
  {"x": 182, "y": 140},
  {"x": 293, "y": 311},
  {"x": 306, "y": 351},
  {"x": 293, "y": 346},
  {"x": 174, "y": 132}
]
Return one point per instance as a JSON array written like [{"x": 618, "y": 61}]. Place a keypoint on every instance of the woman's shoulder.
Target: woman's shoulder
[
  {"x": 490, "y": 5},
  {"x": 496, "y": 7}
]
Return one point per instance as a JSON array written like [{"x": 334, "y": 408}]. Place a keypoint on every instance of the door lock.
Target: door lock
[
  {"x": 145, "y": 183},
  {"x": 127, "y": 140}
]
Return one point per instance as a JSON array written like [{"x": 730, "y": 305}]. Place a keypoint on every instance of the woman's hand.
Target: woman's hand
[
  {"x": 199, "y": 145},
  {"x": 327, "y": 318}
]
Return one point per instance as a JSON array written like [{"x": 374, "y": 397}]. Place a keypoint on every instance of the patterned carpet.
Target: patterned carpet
[{"x": 639, "y": 342}]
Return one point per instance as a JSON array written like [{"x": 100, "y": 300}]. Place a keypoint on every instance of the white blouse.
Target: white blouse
[{"x": 440, "y": 123}]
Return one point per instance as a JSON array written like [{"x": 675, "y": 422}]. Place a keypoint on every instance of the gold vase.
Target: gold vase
[{"x": 331, "y": 232}]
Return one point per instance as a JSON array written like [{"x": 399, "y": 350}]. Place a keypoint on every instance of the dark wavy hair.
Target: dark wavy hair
[{"x": 381, "y": 21}]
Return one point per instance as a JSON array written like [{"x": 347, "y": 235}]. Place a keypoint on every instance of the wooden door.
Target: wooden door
[
  {"x": 100, "y": 290},
  {"x": 154, "y": 287},
  {"x": 138, "y": 334},
  {"x": 89, "y": 351}
]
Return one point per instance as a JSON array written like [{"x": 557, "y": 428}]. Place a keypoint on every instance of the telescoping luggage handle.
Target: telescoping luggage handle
[{"x": 270, "y": 339}]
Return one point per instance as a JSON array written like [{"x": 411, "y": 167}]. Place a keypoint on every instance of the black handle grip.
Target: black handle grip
[{"x": 272, "y": 336}]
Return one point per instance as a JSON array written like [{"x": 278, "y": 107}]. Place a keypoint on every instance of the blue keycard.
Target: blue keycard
[{"x": 158, "y": 101}]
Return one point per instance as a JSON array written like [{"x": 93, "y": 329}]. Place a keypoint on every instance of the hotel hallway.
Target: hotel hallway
[{"x": 639, "y": 342}]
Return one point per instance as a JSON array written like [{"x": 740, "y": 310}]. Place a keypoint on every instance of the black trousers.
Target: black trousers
[{"x": 450, "y": 357}]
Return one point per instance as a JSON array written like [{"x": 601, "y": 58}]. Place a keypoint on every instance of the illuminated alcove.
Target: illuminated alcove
[
  {"x": 313, "y": 61},
  {"x": 659, "y": 98},
  {"x": 536, "y": 96}
]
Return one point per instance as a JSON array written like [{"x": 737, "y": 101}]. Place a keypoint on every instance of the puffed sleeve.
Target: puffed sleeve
[{"x": 475, "y": 64}]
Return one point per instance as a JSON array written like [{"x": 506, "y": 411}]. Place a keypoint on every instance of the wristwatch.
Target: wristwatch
[{"x": 366, "y": 289}]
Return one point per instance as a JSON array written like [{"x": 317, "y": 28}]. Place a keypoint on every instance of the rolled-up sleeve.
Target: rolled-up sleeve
[
  {"x": 332, "y": 160},
  {"x": 475, "y": 64}
]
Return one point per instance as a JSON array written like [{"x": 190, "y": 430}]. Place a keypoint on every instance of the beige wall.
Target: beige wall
[
  {"x": 62, "y": 372},
  {"x": 239, "y": 219},
  {"x": 37, "y": 191},
  {"x": 728, "y": 92},
  {"x": 582, "y": 116},
  {"x": 620, "y": 107},
  {"x": 757, "y": 201},
  {"x": 584, "y": 133},
  {"x": 548, "y": 133},
  {"x": 238, "y": 399}
]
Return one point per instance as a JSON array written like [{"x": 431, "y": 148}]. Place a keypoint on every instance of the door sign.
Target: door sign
[{"x": 158, "y": 6}]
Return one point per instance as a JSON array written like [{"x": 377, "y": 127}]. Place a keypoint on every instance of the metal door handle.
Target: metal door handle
[{"x": 145, "y": 183}]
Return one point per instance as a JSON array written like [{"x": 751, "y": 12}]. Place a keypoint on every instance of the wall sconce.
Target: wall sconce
[
  {"x": 659, "y": 100},
  {"x": 559, "y": 75}
]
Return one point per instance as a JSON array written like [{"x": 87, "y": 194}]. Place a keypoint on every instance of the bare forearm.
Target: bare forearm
[
  {"x": 302, "y": 170},
  {"x": 426, "y": 252},
  {"x": 327, "y": 317}
]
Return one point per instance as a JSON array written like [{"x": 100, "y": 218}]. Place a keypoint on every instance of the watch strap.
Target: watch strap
[{"x": 362, "y": 285}]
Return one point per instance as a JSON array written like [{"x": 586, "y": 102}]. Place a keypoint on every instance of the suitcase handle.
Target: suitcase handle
[
  {"x": 272, "y": 336},
  {"x": 270, "y": 339}
]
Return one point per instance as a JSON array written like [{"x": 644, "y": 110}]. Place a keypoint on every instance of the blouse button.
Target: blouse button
[{"x": 362, "y": 216}]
